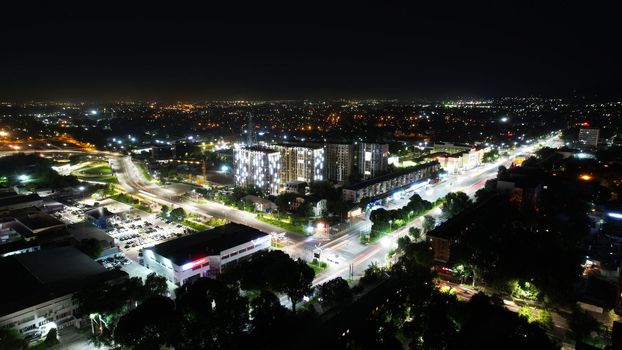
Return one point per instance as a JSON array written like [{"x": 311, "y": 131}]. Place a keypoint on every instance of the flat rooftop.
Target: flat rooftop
[
  {"x": 261, "y": 149},
  {"x": 390, "y": 176},
  {"x": 36, "y": 277},
  {"x": 39, "y": 221},
  {"x": 205, "y": 243},
  {"x": 19, "y": 199}
]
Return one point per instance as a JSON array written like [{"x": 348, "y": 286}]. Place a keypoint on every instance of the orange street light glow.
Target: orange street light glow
[{"x": 585, "y": 177}]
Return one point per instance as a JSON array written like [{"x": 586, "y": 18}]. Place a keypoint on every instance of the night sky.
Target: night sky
[{"x": 104, "y": 50}]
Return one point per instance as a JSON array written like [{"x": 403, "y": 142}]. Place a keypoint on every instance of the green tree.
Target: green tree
[
  {"x": 285, "y": 201},
  {"x": 178, "y": 214},
  {"x": 51, "y": 338},
  {"x": 335, "y": 292},
  {"x": 297, "y": 279},
  {"x": 214, "y": 315},
  {"x": 455, "y": 202},
  {"x": 165, "y": 211},
  {"x": 153, "y": 324},
  {"x": 491, "y": 156},
  {"x": 10, "y": 339},
  {"x": 268, "y": 318},
  {"x": 415, "y": 233},
  {"x": 582, "y": 325},
  {"x": 428, "y": 224},
  {"x": 155, "y": 285}
]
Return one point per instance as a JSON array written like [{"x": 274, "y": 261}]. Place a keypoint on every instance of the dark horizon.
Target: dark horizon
[{"x": 84, "y": 52}]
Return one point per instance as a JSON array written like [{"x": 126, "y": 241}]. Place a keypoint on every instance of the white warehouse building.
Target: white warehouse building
[{"x": 204, "y": 254}]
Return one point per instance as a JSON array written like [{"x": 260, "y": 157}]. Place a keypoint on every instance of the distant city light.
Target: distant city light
[
  {"x": 23, "y": 178},
  {"x": 309, "y": 229},
  {"x": 81, "y": 188},
  {"x": 93, "y": 112},
  {"x": 504, "y": 119},
  {"x": 585, "y": 177},
  {"x": 224, "y": 168},
  {"x": 615, "y": 215}
]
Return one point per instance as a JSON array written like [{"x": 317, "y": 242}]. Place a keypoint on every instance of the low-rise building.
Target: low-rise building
[
  {"x": 383, "y": 185},
  {"x": 261, "y": 204},
  {"x": 40, "y": 286},
  {"x": 12, "y": 201},
  {"x": 298, "y": 187},
  {"x": 204, "y": 254}
]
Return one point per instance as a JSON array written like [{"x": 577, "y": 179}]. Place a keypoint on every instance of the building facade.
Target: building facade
[
  {"x": 383, "y": 185},
  {"x": 589, "y": 137},
  {"x": 40, "y": 295},
  {"x": 204, "y": 254},
  {"x": 339, "y": 161},
  {"x": 455, "y": 163},
  {"x": 372, "y": 159},
  {"x": 258, "y": 166},
  {"x": 301, "y": 163}
]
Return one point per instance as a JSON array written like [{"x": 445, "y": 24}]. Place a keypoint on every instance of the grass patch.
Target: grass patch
[
  {"x": 289, "y": 226},
  {"x": 277, "y": 245},
  {"x": 318, "y": 266},
  {"x": 143, "y": 169},
  {"x": 197, "y": 226},
  {"x": 131, "y": 201},
  {"x": 107, "y": 179}
]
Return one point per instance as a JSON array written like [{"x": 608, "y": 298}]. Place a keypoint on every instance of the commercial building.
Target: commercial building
[
  {"x": 258, "y": 166},
  {"x": 372, "y": 159},
  {"x": 301, "y": 163},
  {"x": 11, "y": 201},
  {"x": 39, "y": 288},
  {"x": 383, "y": 185},
  {"x": 455, "y": 163},
  {"x": 339, "y": 161},
  {"x": 588, "y": 137},
  {"x": 204, "y": 254},
  {"x": 299, "y": 187}
]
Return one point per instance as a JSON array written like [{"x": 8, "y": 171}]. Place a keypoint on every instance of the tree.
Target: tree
[
  {"x": 335, "y": 292},
  {"x": 51, "y": 338},
  {"x": 267, "y": 315},
  {"x": 403, "y": 242},
  {"x": 372, "y": 273},
  {"x": 490, "y": 156},
  {"x": 428, "y": 224},
  {"x": 165, "y": 211},
  {"x": 214, "y": 315},
  {"x": 297, "y": 279},
  {"x": 155, "y": 285},
  {"x": 415, "y": 233},
  {"x": 10, "y": 339},
  {"x": 178, "y": 214},
  {"x": 285, "y": 200},
  {"x": 455, "y": 202},
  {"x": 582, "y": 324},
  {"x": 487, "y": 191},
  {"x": 153, "y": 324},
  {"x": 92, "y": 247}
]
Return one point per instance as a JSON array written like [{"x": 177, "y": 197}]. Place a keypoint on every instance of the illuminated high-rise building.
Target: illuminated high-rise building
[
  {"x": 258, "y": 166},
  {"x": 372, "y": 159},
  {"x": 589, "y": 137},
  {"x": 301, "y": 163},
  {"x": 339, "y": 161}
]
